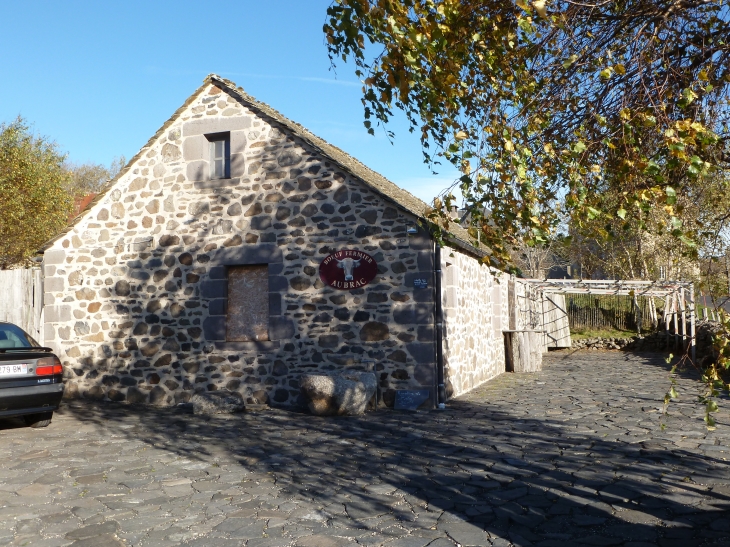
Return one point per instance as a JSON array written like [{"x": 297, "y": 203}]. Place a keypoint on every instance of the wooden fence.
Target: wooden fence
[
  {"x": 620, "y": 312},
  {"x": 21, "y": 300},
  {"x": 534, "y": 310}
]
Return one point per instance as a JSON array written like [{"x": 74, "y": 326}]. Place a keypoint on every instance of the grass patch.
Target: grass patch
[{"x": 582, "y": 334}]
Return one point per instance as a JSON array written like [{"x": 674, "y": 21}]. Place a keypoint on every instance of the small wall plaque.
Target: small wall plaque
[
  {"x": 420, "y": 283},
  {"x": 411, "y": 399}
]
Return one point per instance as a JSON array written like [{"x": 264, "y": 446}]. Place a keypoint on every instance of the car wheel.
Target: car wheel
[{"x": 38, "y": 420}]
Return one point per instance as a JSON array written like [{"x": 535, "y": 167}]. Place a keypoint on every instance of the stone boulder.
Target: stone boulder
[
  {"x": 345, "y": 394},
  {"x": 211, "y": 403}
]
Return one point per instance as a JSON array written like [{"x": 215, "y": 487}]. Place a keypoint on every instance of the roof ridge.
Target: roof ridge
[{"x": 374, "y": 180}]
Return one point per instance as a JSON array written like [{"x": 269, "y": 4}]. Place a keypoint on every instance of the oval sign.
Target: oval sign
[{"x": 348, "y": 269}]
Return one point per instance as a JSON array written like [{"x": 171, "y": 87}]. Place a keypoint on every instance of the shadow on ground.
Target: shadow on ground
[{"x": 558, "y": 465}]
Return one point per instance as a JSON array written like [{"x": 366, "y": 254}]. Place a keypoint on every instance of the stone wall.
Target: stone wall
[
  {"x": 474, "y": 300},
  {"x": 659, "y": 340},
  {"x": 136, "y": 291}
]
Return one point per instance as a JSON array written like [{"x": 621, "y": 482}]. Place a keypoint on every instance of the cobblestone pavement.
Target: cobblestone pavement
[{"x": 574, "y": 455}]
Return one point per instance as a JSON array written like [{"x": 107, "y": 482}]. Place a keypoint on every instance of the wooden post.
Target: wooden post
[
  {"x": 512, "y": 302},
  {"x": 666, "y": 320},
  {"x": 683, "y": 311},
  {"x": 542, "y": 317},
  {"x": 652, "y": 311},
  {"x": 509, "y": 365},
  {"x": 675, "y": 318},
  {"x": 692, "y": 329},
  {"x": 524, "y": 350}
]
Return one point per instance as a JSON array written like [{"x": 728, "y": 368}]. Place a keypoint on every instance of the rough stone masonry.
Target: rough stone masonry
[{"x": 137, "y": 289}]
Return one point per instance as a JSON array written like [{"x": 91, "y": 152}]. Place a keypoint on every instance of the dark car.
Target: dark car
[{"x": 31, "y": 377}]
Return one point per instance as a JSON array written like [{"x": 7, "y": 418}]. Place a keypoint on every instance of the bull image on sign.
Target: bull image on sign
[{"x": 348, "y": 269}]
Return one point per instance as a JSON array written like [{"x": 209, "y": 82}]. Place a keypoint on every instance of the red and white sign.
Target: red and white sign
[{"x": 348, "y": 269}]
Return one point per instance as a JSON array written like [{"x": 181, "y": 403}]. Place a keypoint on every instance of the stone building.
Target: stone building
[{"x": 203, "y": 265}]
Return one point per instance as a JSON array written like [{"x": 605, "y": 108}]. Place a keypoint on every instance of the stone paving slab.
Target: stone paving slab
[{"x": 573, "y": 455}]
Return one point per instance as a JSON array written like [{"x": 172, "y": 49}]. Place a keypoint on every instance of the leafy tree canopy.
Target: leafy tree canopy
[
  {"x": 88, "y": 178},
  {"x": 601, "y": 111},
  {"x": 34, "y": 204}
]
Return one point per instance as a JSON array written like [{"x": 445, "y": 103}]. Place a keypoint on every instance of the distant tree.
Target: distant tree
[
  {"x": 649, "y": 248},
  {"x": 34, "y": 203},
  {"x": 88, "y": 178},
  {"x": 537, "y": 259}
]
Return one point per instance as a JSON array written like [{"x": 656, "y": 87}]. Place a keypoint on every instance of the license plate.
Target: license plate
[{"x": 13, "y": 370}]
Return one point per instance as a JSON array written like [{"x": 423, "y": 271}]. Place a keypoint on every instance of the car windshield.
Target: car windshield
[{"x": 15, "y": 337}]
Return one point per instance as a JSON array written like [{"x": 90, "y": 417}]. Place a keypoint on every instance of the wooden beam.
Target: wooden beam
[
  {"x": 666, "y": 320},
  {"x": 692, "y": 329},
  {"x": 683, "y": 327},
  {"x": 675, "y": 319}
]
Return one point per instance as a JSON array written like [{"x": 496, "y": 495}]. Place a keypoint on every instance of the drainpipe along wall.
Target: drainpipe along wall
[{"x": 438, "y": 314}]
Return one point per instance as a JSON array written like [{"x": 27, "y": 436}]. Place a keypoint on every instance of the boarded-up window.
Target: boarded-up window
[{"x": 248, "y": 303}]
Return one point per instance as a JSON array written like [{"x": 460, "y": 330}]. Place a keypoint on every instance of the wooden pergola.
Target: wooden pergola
[{"x": 678, "y": 295}]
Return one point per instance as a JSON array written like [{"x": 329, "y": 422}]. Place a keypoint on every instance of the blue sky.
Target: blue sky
[{"x": 100, "y": 77}]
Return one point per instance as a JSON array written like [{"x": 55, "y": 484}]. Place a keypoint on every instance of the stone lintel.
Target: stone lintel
[
  {"x": 215, "y": 125},
  {"x": 248, "y": 255}
]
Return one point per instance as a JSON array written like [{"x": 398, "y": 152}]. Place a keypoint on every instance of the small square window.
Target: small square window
[{"x": 219, "y": 146}]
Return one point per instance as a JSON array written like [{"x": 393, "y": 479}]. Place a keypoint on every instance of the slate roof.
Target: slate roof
[{"x": 457, "y": 235}]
